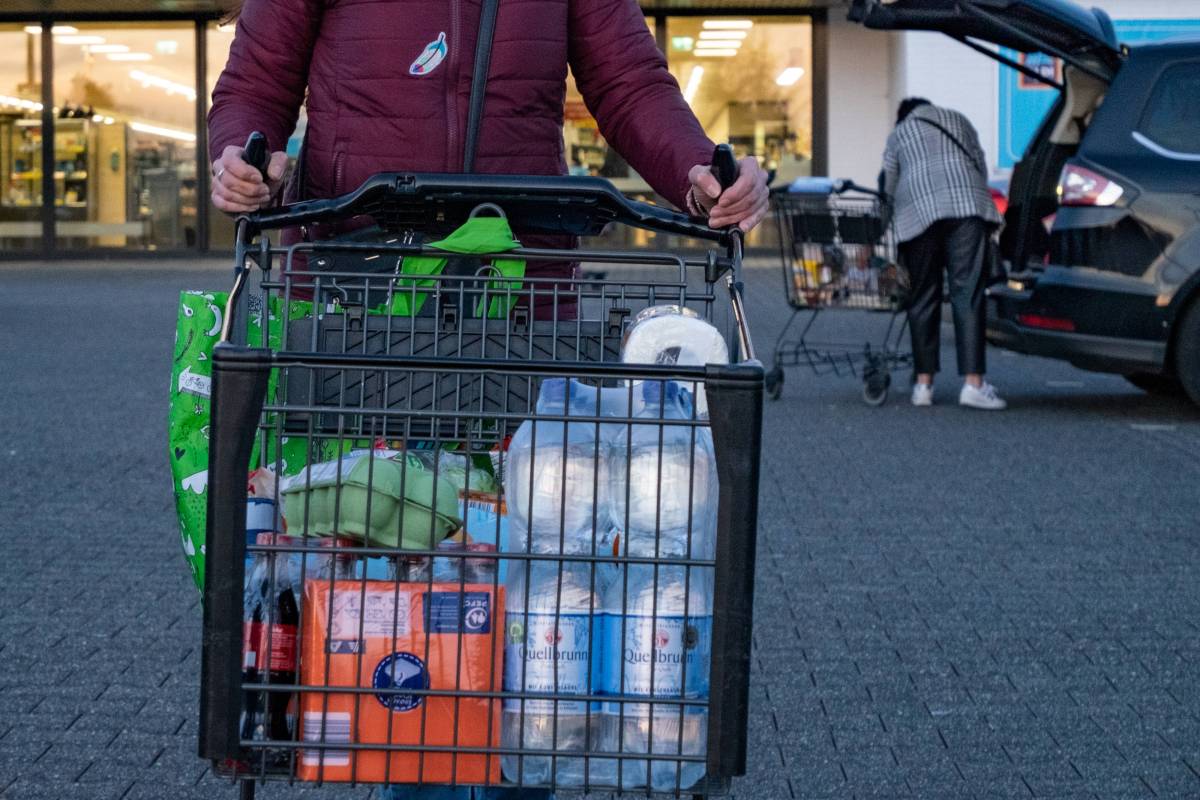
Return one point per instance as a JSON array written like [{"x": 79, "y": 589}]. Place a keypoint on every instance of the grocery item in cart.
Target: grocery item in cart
[
  {"x": 552, "y": 647},
  {"x": 383, "y": 497},
  {"x": 459, "y": 563},
  {"x": 269, "y": 649},
  {"x": 670, "y": 334},
  {"x": 663, "y": 478},
  {"x": 551, "y": 473},
  {"x": 390, "y": 637},
  {"x": 271, "y": 616},
  {"x": 658, "y": 645}
]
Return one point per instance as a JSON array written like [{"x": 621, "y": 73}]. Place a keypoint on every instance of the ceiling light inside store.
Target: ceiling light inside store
[
  {"x": 79, "y": 40},
  {"x": 109, "y": 120},
  {"x": 722, "y": 34},
  {"x": 59, "y": 30},
  {"x": 157, "y": 130},
  {"x": 166, "y": 47},
  {"x": 693, "y": 83},
  {"x": 720, "y": 43},
  {"x": 19, "y": 102},
  {"x": 170, "y": 87},
  {"x": 727, "y": 24},
  {"x": 128, "y": 56},
  {"x": 108, "y": 48},
  {"x": 721, "y": 53},
  {"x": 789, "y": 76}
]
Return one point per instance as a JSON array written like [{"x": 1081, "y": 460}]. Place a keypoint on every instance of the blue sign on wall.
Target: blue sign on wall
[{"x": 1024, "y": 102}]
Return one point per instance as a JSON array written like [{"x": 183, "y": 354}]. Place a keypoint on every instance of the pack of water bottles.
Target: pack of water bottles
[{"x": 612, "y": 497}]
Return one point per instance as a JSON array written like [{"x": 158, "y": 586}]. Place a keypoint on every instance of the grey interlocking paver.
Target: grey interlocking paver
[{"x": 949, "y": 605}]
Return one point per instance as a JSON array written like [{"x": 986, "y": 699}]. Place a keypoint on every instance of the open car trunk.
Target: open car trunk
[
  {"x": 1033, "y": 190},
  {"x": 1084, "y": 39}
]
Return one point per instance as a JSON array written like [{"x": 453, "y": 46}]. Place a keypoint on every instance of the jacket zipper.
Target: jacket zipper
[
  {"x": 453, "y": 156},
  {"x": 338, "y": 162}
]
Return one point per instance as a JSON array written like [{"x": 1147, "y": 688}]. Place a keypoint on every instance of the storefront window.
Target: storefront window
[
  {"x": 749, "y": 80},
  {"x": 125, "y": 141},
  {"x": 20, "y": 138}
]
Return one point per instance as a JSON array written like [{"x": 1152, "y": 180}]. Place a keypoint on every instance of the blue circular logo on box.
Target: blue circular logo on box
[{"x": 400, "y": 671}]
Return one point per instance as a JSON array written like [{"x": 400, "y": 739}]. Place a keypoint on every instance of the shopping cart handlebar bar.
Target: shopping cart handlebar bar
[{"x": 579, "y": 206}]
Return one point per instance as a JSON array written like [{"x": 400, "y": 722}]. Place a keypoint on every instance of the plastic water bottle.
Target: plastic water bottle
[
  {"x": 662, "y": 478},
  {"x": 658, "y": 645},
  {"x": 551, "y": 476},
  {"x": 550, "y": 647},
  {"x": 556, "y": 473}
]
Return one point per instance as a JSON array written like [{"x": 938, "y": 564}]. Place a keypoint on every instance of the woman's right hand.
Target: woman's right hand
[{"x": 238, "y": 188}]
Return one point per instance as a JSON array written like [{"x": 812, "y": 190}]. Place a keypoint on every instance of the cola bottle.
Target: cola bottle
[{"x": 269, "y": 646}]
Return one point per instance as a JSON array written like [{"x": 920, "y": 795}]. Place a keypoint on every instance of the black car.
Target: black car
[{"x": 1102, "y": 231}]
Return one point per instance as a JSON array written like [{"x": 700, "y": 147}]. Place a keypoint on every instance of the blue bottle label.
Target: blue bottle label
[
  {"x": 554, "y": 659},
  {"x": 664, "y": 656}
]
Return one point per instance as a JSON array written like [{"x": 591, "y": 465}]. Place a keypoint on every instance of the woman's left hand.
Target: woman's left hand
[{"x": 744, "y": 204}]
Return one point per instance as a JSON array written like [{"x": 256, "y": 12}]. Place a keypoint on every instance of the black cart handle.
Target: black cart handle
[
  {"x": 256, "y": 154},
  {"x": 579, "y": 206},
  {"x": 724, "y": 166}
]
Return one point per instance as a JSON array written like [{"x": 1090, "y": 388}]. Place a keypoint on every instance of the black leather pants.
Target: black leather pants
[{"x": 957, "y": 246}]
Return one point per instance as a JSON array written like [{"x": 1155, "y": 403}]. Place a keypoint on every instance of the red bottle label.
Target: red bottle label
[{"x": 281, "y": 639}]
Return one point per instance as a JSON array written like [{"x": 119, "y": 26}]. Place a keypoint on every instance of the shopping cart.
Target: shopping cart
[
  {"x": 839, "y": 253},
  {"x": 474, "y": 487}
]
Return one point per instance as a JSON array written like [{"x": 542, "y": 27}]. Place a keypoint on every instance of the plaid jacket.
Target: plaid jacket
[{"x": 930, "y": 178}]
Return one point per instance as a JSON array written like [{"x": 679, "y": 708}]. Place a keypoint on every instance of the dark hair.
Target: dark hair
[
  {"x": 909, "y": 105},
  {"x": 232, "y": 9}
]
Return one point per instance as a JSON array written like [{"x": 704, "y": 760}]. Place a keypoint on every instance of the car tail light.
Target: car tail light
[
  {"x": 1000, "y": 200},
  {"x": 1083, "y": 187},
  {"x": 1046, "y": 323}
]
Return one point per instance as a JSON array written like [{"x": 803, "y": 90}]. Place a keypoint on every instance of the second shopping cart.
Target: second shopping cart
[{"x": 839, "y": 253}]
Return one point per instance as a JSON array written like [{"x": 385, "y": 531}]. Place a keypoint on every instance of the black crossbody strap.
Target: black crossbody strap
[
  {"x": 970, "y": 156},
  {"x": 483, "y": 60}
]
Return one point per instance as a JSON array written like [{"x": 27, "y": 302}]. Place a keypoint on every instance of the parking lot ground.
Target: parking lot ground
[{"x": 950, "y": 604}]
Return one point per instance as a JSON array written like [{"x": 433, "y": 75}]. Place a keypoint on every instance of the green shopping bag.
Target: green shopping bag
[
  {"x": 477, "y": 235},
  {"x": 198, "y": 329}
]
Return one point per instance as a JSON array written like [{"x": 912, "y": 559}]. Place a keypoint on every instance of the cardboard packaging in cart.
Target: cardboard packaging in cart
[{"x": 401, "y": 636}]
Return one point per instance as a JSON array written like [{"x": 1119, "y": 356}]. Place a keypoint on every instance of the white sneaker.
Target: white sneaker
[
  {"x": 984, "y": 397},
  {"x": 922, "y": 394}
]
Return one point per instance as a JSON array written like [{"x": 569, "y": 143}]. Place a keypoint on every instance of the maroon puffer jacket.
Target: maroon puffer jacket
[{"x": 373, "y": 107}]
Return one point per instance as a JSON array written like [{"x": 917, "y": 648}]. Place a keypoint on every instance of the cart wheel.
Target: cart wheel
[
  {"x": 774, "y": 380},
  {"x": 245, "y": 790},
  {"x": 875, "y": 389}
]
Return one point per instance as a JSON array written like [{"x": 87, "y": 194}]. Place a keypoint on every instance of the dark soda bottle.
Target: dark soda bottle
[{"x": 269, "y": 644}]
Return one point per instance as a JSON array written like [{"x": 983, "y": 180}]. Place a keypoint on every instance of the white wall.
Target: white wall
[
  {"x": 1148, "y": 9},
  {"x": 860, "y": 107},
  {"x": 870, "y": 72}
]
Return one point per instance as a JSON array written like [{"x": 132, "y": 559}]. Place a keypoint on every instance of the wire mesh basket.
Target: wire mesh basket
[{"x": 497, "y": 553}]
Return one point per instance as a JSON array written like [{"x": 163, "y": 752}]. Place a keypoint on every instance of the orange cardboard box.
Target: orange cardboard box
[{"x": 411, "y": 635}]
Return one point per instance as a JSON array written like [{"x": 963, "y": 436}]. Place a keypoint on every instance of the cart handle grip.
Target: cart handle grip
[
  {"x": 579, "y": 206},
  {"x": 255, "y": 153}
]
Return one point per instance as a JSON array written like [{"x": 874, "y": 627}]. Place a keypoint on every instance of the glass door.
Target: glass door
[{"x": 20, "y": 138}]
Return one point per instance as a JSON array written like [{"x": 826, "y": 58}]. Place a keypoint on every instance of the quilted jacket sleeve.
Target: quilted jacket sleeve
[
  {"x": 263, "y": 84},
  {"x": 625, "y": 83}
]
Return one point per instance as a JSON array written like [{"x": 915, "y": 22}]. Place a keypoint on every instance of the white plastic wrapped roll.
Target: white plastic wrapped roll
[{"x": 674, "y": 335}]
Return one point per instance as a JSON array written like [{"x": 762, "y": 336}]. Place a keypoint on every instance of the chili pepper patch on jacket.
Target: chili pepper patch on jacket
[{"x": 433, "y": 55}]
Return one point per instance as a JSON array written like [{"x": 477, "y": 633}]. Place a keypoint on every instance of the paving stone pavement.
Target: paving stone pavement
[{"x": 949, "y": 604}]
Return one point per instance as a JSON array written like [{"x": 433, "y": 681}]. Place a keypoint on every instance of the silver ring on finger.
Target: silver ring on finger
[{"x": 220, "y": 172}]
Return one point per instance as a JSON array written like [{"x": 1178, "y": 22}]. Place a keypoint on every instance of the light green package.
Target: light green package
[{"x": 380, "y": 497}]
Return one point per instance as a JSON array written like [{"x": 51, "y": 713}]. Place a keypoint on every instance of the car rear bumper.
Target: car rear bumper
[{"x": 1087, "y": 351}]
